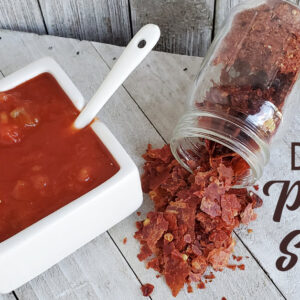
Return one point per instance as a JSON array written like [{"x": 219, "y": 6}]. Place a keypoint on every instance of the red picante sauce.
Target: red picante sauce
[{"x": 44, "y": 163}]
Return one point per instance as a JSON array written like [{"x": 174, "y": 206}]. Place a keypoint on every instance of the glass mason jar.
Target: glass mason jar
[{"x": 246, "y": 87}]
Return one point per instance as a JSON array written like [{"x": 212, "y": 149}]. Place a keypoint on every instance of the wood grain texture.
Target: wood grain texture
[
  {"x": 186, "y": 26},
  {"x": 97, "y": 20},
  {"x": 22, "y": 15},
  {"x": 223, "y": 8},
  {"x": 8, "y": 296}
]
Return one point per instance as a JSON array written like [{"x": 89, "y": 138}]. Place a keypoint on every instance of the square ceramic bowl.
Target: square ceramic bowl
[{"x": 43, "y": 244}]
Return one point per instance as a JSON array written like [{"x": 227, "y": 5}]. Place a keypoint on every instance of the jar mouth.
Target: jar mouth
[{"x": 228, "y": 131}]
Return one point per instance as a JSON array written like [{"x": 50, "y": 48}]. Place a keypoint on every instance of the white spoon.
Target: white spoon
[{"x": 138, "y": 48}]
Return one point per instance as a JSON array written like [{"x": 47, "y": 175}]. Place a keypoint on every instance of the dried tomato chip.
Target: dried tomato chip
[
  {"x": 226, "y": 174},
  {"x": 199, "y": 265},
  {"x": 153, "y": 228},
  {"x": 211, "y": 207},
  {"x": 147, "y": 289},
  {"x": 176, "y": 271},
  {"x": 230, "y": 207},
  {"x": 248, "y": 214},
  {"x": 144, "y": 253}
]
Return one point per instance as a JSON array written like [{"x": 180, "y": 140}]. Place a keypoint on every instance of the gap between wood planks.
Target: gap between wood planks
[
  {"x": 236, "y": 234},
  {"x": 44, "y": 22},
  {"x": 126, "y": 260}
]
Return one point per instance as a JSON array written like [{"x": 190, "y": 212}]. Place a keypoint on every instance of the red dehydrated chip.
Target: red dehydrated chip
[
  {"x": 201, "y": 285},
  {"x": 214, "y": 191},
  {"x": 195, "y": 277},
  {"x": 176, "y": 271},
  {"x": 153, "y": 228},
  {"x": 189, "y": 289},
  {"x": 211, "y": 207},
  {"x": 232, "y": 267},
  {"x": 199, "y": 265},
  {"x": 241, "y": 267},
  {"x": 154, "y": 264},
  {"x": 230, "y": 207},
  {"x": 218, "y": 258},
  {"x": 147, "y": 289},
  {"x": 144, "y": 253},
  {"x": 256, "y": 200},
  {"x": 226, "y": 174},
  {"x": 248, "y": 214},
  {"x": 210, "y": 276},
  {"x": 220, "y": 238}
]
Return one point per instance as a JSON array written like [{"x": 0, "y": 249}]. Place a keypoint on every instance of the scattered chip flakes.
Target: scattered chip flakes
[
  {"x": 125, "y": 240},
  {"x": 201, "y": 285},
  {"x": 250, "y": 230},
  {"x": 210, "y": 276},
  {"x": 256, "y": 187},
  {"x": 232, "y": 267},
  {"x": 195, "y": 214},
  {"x": 241, "y": 267},
  {"x": 189, "y": 289},
  {"x": 147, "y": 289},
  {"x": 223, "y": 298},
  {"x": 138, "y": 213}
]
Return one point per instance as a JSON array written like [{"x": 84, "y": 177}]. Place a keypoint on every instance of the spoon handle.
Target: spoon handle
[{"x": 138, "y": 48}]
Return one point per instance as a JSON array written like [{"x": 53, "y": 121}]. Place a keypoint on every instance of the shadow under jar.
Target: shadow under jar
[{"x": 246, "y": 87}]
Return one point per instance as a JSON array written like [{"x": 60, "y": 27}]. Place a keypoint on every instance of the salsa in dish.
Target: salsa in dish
[{"x": 44, "y": 162}]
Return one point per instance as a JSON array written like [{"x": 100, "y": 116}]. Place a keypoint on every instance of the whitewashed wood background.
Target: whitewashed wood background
[
  {"x": 188, "y": 26},
  {"x": 145, "y": 110}
]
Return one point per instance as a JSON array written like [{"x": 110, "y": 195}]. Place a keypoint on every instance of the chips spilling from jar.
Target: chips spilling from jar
[{"x": 195, "y": 214}]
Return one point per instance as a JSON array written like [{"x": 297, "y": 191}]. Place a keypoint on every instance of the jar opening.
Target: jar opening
[{"x": 197, "y": 126}]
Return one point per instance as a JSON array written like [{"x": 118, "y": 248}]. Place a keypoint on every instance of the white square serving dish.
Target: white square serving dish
[{"x": 43, "y": 244}]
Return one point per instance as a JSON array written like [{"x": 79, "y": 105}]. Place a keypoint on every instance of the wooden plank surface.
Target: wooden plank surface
[
  {"x": 23, "y": 15},
  {"x": 97, "y": 20},
  {"x": 99, "y": 270},
  {"x": 8, "y": 297},
  {"x": 186, "y": 26}
]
